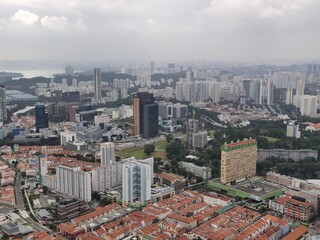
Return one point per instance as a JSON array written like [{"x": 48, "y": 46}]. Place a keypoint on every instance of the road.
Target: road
[
  {"x": 18, "y": 192},
  {"x": 20, "y": 203}
]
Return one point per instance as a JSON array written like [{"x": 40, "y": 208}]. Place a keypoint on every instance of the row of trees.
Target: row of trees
[{"x": 306, "y": 168}]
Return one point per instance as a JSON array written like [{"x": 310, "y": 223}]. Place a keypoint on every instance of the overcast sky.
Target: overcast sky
[{"x": 159, "y": 30}]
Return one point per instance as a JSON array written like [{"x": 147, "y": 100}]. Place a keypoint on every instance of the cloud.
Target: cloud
[
  {"x": 55, "y": 23},
  {"x": 25, "y": 17},
  {"x": 161, "y": 29}
]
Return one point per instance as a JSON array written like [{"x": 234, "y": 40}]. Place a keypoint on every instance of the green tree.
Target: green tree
[
  {"x": 149, "y": 148},
  {"x": 169, "y": 138}
]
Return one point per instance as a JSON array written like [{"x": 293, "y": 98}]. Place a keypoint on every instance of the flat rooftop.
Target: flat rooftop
[{"x": 256, "y": 188}]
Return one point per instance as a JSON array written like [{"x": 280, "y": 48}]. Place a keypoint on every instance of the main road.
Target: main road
[{"x": 19, "y": 200}]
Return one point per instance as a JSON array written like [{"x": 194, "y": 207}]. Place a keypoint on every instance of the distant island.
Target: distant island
[{"x": 4, "y": 76}]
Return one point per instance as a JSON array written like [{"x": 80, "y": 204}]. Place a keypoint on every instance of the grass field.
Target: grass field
[
  {"x": 271, "y": 139},
  {"x": 211, "y": 133},
  {"x": 138, "y": 152}
]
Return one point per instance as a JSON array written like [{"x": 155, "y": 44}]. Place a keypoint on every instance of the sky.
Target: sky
[{"x": 181, "y": 30}]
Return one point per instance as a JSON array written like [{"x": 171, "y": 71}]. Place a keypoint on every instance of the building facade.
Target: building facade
[
  {"x": 145, "y": 112},
  {"x": 238, "y": 160},
  {"x": 296, "y": 155},
  {"x": 107, "y": 152},
  {"x": 73, "y": 182},
  {"x": 204, "y": 172},
  {"x": 3, "y": 103},
  {"x": 298, "y": 210},
  {"x": 106, "y": 177},
  {"x": 97, "y": 83},
  {"x": 41, "y": 116},
  {"x": 137, "y": 177}
]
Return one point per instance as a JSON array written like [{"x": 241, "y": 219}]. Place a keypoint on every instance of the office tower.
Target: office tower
[
  {"x": 69, "y": 70},
  {"x": 146, "y": 113},
  {"x": 289, "y": 94},
  {"x": 74, "y": 182},
  {"x": 71, "y": 97},
  {"x": 137, "y": 177},
  {"x": 107, "y": 152},
  {"x": 177, "y": 111},
  {"x": 97, "y": 83},
  {"x": 238, "y": 160},
  {"x": 3, "y": 104},
  {"x": 300, "y": 88},
  {"x": 106, "y": 177},
  {"x": 42, "y": 120}
]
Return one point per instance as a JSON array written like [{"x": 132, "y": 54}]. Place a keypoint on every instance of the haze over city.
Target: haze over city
[
  {"x": 159, "y": 119},
  {"x": 242, "y": 30}
]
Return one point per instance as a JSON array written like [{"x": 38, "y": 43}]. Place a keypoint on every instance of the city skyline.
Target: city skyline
[{"x": 239, "y": 30}]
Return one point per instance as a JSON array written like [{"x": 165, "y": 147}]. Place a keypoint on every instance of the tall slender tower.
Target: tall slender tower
[
  {"x": 3, "y": 105},
  {"x": 300, "y": 88},
  {"x": 97, "y": 83},
  {"x": 136, "y": 181},
  {"x": 146, "y": 113},
  {"x": 42, "y": 119},
  {"x": 107, "y": 153}
]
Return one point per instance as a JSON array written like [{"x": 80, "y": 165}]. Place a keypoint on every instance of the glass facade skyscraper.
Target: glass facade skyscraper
[{"x": 42, "y": 119}]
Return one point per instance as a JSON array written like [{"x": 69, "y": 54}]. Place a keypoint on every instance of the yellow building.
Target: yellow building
[{"x": 238, "y": 160}]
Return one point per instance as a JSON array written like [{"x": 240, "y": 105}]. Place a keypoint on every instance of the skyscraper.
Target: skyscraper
[
  {"x": 238, "y": 160},
  {"x": 289, "y": 97},
  {"x": 136, "y": 181},
  {"x": 300, "y": 88},
  {"x": 42, "y": 120},
  {"x": 246, "y": 85},
  {"x": 3, "y": 105},
  {"x": 145, "y": 112},
  {"x": 107, "y": 153},
  {"x": 97, "y": 83}
]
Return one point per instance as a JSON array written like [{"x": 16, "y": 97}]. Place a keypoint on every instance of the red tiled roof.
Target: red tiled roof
[
  {"x": 282, "y": 200},
  {"x": 297, "y": 233},
  {"x": 235, "y": 144}
]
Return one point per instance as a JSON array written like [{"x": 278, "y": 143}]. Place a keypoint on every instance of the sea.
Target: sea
[{"x": 31, "y": 69}]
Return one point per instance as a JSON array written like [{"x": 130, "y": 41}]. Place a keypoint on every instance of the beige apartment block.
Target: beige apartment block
[{"x": 238, "y": 160}]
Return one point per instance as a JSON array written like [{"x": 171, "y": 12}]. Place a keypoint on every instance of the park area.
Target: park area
[{"x": 138, "y": 152}]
